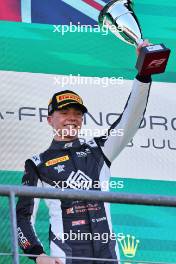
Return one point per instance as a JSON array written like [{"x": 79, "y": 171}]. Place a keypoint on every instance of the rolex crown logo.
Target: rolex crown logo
[{"x": 129, "y": 245}]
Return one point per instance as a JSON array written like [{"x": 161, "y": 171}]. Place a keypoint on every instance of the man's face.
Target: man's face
[{"x": 66, "y": 123}]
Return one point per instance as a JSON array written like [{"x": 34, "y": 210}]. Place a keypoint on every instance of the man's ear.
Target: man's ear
[{"x": 49, "y": 119}]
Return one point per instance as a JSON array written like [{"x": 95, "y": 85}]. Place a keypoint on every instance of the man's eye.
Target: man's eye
[{"x": 79, "y": 113}]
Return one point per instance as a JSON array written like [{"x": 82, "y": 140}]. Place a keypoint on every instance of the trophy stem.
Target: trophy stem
[{"x": 138, "y": 42}]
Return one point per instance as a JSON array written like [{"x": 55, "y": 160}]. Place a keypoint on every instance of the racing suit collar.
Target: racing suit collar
[{"x": 65, "y": 144}]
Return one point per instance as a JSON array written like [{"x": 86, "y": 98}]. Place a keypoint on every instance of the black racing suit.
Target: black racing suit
[{"x": 79, "y": 165}]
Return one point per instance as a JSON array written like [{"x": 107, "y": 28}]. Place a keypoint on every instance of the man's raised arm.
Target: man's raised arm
[{"x": 131, "y": 118}]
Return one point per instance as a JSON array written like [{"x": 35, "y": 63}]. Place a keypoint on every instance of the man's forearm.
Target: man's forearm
[{"x": 130, "y": 119}]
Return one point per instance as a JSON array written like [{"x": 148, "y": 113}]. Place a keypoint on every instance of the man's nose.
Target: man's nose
[{"x": 72, "y": 117}]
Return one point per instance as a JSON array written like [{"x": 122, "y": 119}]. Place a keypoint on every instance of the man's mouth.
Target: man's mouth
[{"x": 71, "y": 126}]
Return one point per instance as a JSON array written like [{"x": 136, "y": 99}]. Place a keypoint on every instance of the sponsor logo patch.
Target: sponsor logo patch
[
  {"x": 70, "y": 210},
  {"x": 78, "y": 222},
  {"x": 59, "y": 168},
  {"x": 22, "y": 239},
  {"x": 56, "y": 160},
  {"x": 68, "y": 96},
  {"x": 36, "y": 159},
  {"x": 83, "y": 154},
  {"x": 97, "y": 220}
]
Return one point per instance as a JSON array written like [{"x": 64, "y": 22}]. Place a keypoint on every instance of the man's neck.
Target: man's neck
[{"x": 66, "y": 139}]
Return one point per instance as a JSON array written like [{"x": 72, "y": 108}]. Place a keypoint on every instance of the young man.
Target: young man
[{"x": 68, "y": 163}]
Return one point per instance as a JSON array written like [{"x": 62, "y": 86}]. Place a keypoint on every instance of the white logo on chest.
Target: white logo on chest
[{"x": 79, "y": 180}]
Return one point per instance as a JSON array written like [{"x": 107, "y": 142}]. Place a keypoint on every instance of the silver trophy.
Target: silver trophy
[{"x": 118, "y": 16}]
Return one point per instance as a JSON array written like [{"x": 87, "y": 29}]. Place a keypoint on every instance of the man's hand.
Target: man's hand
[
  {"x": 145, "y": 43},
  {"x": 44, "y": 259}
]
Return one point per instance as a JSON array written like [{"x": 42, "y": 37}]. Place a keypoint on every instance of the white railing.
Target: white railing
[{"x": 123, "y": 198}]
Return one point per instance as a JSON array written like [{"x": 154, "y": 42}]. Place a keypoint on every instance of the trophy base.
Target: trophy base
[{"x": 152, "y": 59}]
